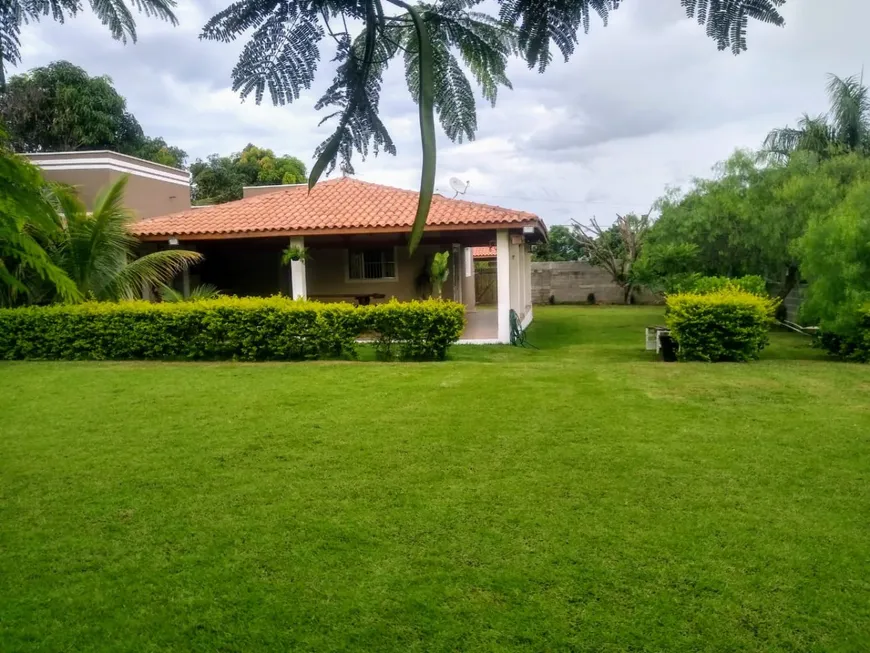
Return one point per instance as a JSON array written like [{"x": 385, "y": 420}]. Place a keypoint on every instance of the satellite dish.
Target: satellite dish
[{"x": 459, "y": 186}]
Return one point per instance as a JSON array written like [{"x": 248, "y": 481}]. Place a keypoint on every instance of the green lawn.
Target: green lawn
[{"x": 578, "y": 498}]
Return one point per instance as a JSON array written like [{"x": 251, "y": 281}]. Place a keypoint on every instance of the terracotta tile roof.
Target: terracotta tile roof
[
  {"x": 483, "y": 252},
  {"x": 342, "y": 205}
]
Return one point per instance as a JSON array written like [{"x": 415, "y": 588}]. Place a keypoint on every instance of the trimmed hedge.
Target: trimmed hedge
[
  {"x": 728, "y": 325},
  {"x": 227, "y": 328},
  {"x": 415, "y": 330},
  {"x": 752, "y": 284}
]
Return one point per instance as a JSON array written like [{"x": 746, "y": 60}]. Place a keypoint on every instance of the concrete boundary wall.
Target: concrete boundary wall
[{"x": 568, "y": 282}]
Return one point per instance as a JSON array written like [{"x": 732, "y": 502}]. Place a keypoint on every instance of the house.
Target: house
[
  {"x": 152, "y": 189},
  {"x": 354, "y": 235}
]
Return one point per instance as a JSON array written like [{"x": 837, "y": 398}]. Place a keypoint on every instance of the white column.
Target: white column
[
  {"x": 468, "y": 289},
  {"x": 185, "y": 282},
  {"x": 515, "y": 279},
  {"x": 298, "y": 283},
  {"x": 503, "y": 276}
]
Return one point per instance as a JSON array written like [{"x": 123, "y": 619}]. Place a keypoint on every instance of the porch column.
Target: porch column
[
  {"x": 185, "y": 282},
  {"x": 468, "y": 289},
  {"x": 298, "y": 284},
  {"x": 503, "y": 281}
]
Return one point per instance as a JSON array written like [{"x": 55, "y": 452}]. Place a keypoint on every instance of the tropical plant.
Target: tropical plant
[
  {"x": 615, "y": 249},
  {"x": 25, "y": 213},
  {"x": 439, "y": 270},
  {"x": 115, "y": 15},
  {"x": 59, "y": 107},
  {"x": 846, "y": 127},
  {"x": 283, "y": 52},
  {"x": 203, "y": 291},
  {"x": 97, "y": 249},
  {"x": 294, "y": 253}
]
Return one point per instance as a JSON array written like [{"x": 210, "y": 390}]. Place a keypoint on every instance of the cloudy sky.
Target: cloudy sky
[{"x": 644, "y": 103}]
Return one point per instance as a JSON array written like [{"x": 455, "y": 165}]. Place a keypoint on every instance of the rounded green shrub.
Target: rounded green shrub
[{"x": 726, "y": 325}]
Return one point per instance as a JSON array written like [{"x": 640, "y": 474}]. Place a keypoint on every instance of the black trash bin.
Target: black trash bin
[{"x": 668, "y": 348}]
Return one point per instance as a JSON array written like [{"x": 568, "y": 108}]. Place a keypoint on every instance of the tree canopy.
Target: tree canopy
[
  {"x": 60, "y": 107},
  {"x": 220, "y": 179},
  {"x": 562, "y": 245},
  {"x": 115, "y": 15},
  {"x": 439, "y": 42}
]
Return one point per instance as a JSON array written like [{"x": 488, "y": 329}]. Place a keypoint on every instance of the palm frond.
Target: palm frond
[
  {"x": 202, "y": 291},
  {"x": 155, "y": 269},
  {"x": 850, "y": 110},
  {"x": 727, "y": 20},
  {"x": 115, "y": 15}
]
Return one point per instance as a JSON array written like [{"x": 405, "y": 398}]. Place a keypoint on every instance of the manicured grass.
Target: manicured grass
[{"x": 582, "y": 497}]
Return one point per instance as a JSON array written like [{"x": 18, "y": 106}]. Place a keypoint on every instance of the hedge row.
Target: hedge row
[
  {"x": 228, "y": 328},
  {"x": 728, "y": 325}
]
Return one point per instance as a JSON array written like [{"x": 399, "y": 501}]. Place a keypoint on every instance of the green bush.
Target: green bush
[
  {"x": 227, "y": 328},
  {"x": 419, "y": 330},
  {"x": 727, "y": 325},
  {"x": 851, "y": 344},
  {"x": 752, "y": 284}
]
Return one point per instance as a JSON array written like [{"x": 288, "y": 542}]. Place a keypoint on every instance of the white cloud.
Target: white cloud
[{"x": 644, "y": 103}]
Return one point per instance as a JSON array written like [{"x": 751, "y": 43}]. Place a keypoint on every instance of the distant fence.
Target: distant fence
[{"x": 569, "y": 282}]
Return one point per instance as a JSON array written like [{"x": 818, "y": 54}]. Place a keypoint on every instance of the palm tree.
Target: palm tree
[
  {"x": 115, "y": 15},
  {"x": 846, "y": 127},
  {"x": 96, "y": 250}
]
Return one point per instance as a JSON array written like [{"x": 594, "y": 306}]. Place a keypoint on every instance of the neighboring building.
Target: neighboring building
[
  {"x": 355, "y": 236},
  {"x": 153, "y": 189},
  {"x": 486, "y": 253}
]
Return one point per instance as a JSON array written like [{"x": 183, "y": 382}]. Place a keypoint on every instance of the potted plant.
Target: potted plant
[{"x": 294, "y": 254}]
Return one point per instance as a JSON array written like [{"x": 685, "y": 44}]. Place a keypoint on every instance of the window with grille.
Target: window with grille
[{"x": 371, "y": 264}]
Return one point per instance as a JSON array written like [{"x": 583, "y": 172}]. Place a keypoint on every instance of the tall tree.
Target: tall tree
[
  {"x": 60, "y": 107},
  {"x": 846, "y": 127},
  {"x": 749, "y": 218},
  {"x": 561, "y": 245},
  {"x": 220, "y": 179},
  {"x": 615, "y": 249},
  {"x": 440, "y": 43},
  {"x": 115, "y": 15}
]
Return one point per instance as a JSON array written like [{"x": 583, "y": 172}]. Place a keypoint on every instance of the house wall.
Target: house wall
[
  {"x": 149, "y": 198},
  {"x": 326, "y": 272},
  {"x": 152, "y": 189},
  {"x": 253, "y": 191}
]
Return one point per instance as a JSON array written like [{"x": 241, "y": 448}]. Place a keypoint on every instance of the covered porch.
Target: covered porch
[{"x": 369, "y": 268}]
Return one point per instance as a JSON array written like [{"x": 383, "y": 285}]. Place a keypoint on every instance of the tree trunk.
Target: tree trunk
[
  {"x": 626, "y": 294},
  {"x": 791, "y": 280}
]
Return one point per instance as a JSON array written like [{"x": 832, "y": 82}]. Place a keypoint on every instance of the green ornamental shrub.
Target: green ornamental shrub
[
  {"x": 752, "y": 284},
  {"x": 850, "y": 344},
  {"x": 418, "y": 330},
  {"x": 727, "y": 325},
  {"x": 226, "y": 328}
]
